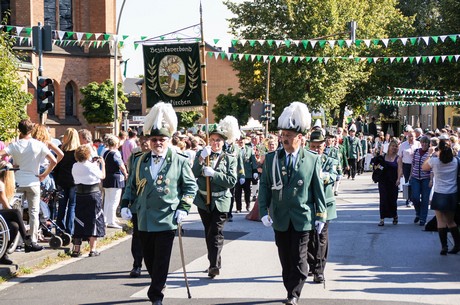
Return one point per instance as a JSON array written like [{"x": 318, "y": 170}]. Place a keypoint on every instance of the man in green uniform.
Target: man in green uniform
[
  {"x": 247, "y": 154},
  {"x": 213, "y": 210},
  {"x": 162, "y": 186},
  {"x": 291, "y": 197},
  {"x": 319, "y": 242},
  {"x": 336, "y": 151}
]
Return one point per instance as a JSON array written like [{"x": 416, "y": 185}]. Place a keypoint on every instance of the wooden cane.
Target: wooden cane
[{"x": 181, "y": 248}]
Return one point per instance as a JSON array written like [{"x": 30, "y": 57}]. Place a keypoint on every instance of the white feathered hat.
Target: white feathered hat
[
  {"x": 161, "y": 120},
  {"x": 228, "y": 128},
  {"x": 295, "y": 117}
]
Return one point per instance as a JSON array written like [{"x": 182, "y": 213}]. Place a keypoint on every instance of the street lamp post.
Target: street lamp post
[{"x": 115, "y": 81}]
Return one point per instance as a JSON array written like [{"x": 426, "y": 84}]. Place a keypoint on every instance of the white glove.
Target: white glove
[
  {"x": 126, "y": 214},
  {"x": 180, "y": 215},
  {"x": 208, "y": 171},
  {"x": 205, "y": 152},
  {"x": 242, "y": 181},
  {"x": 267, "y": 221},
  {"x": 255, "y": 176},
  {"x": 319, "y": 225}
]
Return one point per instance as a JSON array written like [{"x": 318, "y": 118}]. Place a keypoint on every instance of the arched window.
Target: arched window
[
  {"x": 58, "y": 14},
  {"x": 69, "y": 100}
]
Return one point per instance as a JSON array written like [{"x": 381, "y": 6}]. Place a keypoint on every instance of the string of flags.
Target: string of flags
[
  {"x": 24, "y": 33},
  {"x": 415, "y": 96}
]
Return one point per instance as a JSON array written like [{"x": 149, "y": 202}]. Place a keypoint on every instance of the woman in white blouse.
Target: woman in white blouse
[{"x": 89, "y": 219}]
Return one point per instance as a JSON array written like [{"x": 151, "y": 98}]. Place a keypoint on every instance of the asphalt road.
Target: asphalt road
[{"x": 367, "y": 265}]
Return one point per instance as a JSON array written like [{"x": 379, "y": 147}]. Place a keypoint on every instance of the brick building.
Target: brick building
[{"x": 72, "y": 66}]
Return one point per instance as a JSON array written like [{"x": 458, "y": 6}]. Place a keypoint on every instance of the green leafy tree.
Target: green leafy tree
[
  {"x": 13, "y": 100},
  {"x": 232, "y": 104},
  {"x": 187, "y": 119},
  {"x": 98, "y": 102},
  {"x": 332, "y": 85}
]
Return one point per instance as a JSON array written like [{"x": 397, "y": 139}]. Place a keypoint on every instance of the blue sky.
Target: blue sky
[{"x": 154, "y": 18}]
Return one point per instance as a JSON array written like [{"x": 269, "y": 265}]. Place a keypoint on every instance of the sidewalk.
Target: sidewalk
[{"x": 32, "y": 259}]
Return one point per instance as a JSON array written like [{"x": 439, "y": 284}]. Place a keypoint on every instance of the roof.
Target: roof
[{"x": 131, "y": 86}]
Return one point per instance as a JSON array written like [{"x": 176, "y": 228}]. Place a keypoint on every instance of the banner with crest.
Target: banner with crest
[{"x": 173, "y": 75}]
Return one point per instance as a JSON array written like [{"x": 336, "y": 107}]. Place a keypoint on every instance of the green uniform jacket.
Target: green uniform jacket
[
  {"x": 157, "y": 201},
  {"x": 301, "y": 200},
  {"x": 234, "y": 150},
  {"x": 249, "y": 161},
  {"x": 353, "y": 148},
  {"x": 339, "y": 154},
  {"x": 132, "y": 163},
  {"x": 329, "y": 165},
  {"x": 224, "y": 179}
]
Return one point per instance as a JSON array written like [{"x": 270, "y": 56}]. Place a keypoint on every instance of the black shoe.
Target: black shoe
[
  {"x": 136, "y": 272},
  {"x": 213, "y": 271},
  {"x": 291, "y": 301},
  {"x": 454, "y": 250},
  {"x": 395, "y": 220},
  {"x": 5, "y": 260},
  {"x": 336, "y": 193},
  {"x": 318, "y": 278},
  {"x": 443, "y": 251},
  {"x": 421, "y": 223},
  {"x": 416, "y": 219},
  {"x": 33, "y": 247},
  {"x": 230, "y": 219},
  {"x": 94, "y": 253},
  {"x": 247, "y": 207},
  {"x": 75, "y": 254},
  {"x": 381, "y": 223},
  {"x": 157, "y": 302}
]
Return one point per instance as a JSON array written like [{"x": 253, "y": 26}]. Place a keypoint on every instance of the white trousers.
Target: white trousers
[
  {"x": 111, "y": 200},
  {"x": 32, "y": 195}
]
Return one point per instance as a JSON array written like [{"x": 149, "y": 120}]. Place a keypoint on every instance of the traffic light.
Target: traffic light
[
  {"x": 268, "y": 114},
  {"x": 45, "y": 94}
]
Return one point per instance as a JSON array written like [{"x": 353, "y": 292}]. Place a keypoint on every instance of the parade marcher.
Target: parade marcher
[
  {"x": 222, "y": 172},
  {"x": 373, "y": 128},
  {"x": 236, "y": 150},
  {"x": 337, "y": 151},
  {"x": 362, "y": 139},
  {"x": 247, "y": 154},
  {"x": 136, "y": 246},
  {"x": 162, "y": 187},
  {"x": 354, "y": 152},
  {"x": 291, "y": 198},
  {"x": 318, "y": 244}
]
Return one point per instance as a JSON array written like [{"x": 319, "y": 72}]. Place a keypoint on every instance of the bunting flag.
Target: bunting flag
[
  {"x": 173, "y": 74},
  {"x": 402, "y": 103},
  {"x": 305, "y": 43},
  {"x": 325, "y": 60}
]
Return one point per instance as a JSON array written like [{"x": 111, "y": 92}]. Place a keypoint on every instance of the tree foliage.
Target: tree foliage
[
  {"x": 232, "y": 104},
  {"x": 98, "y": 102},
  {"x": 13, "y": 100},
  {"x": 331, "y": 86},
  {"x": 187, "y": 119}
]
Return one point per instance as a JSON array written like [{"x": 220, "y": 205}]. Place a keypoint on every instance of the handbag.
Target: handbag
[{"x": 377, "y": 174}]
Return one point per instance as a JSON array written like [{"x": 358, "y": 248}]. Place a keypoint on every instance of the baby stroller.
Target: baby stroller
[{"x": 60, "y": 237}]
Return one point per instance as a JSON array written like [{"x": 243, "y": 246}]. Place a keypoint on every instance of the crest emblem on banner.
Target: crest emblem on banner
[{"x": 173, "y": 75}]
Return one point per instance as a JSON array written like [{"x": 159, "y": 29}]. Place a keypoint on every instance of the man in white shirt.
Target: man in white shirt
[
  {"x": 28, "y": 153},
  {"x": 406, "y": 153}
]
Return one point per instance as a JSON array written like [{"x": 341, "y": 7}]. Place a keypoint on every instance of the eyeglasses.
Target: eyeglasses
[{"x": 158, "y": 140}]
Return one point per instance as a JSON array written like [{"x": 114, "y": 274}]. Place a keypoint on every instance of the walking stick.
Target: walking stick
[
  {"x": 320, "y": 260},
  {"x": 181, "y": 247}
]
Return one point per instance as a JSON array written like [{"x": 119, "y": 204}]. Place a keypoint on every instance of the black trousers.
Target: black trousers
[
  {"x": 14, "y": 221},
  {"x": 361, "y": 166},
  {"x": 213, "y": 223},
  {"x": 136, "y": 246},
  {"x": 246, "y": 187},
  {"x": 318, "y": 249},
  {"x": 292, "y": 251},
  {"x": 157, "y": 247},
  {"x": 353, "y": 167}
]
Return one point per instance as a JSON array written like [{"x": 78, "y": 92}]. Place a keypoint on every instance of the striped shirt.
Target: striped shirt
[{"x": 417, "y": 161}]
